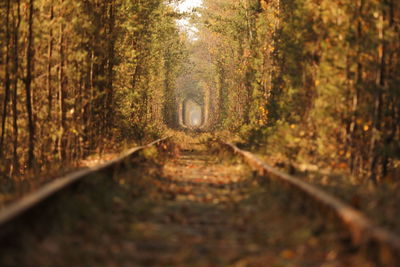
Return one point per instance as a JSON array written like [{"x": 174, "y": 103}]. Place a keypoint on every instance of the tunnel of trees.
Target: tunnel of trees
[{"x": 310, "y": 79}]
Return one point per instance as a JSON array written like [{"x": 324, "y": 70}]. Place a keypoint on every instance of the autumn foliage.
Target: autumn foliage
[{"x": 315, "y": 80}]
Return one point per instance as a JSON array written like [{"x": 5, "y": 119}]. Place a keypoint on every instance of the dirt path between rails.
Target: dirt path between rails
[{"x": 195, "y": 210}]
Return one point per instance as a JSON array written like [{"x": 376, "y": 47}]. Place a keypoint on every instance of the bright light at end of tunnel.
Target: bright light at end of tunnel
[
  {"x": 192, "y": 114},
  {"x": 195, "y": 118},
  {"x": 188, "y": 5}
]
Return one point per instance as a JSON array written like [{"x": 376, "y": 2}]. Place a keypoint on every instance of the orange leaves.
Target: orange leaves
[
  {"x": 264, "y": 5},
  {"x": 247, "y": 53},
  {"x": 288, "y": 254},
  {"x": 342, "y": 166},
  {"x": 189, "y": 166}
]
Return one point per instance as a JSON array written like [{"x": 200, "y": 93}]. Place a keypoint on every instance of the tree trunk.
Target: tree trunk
[
  {"x": 28, "y": 90},
  {"x": 110, "y": 95},
  {"x": 356, "y": 96},
  {"x": 391, "y": 125},
  {"x": 49, "y": 58},
  {"x": 380, "y": 85},
  {"x": 16, "y": 23},
  {"x": 61, "y": 93},
  {"x": 7, "y": 80}
]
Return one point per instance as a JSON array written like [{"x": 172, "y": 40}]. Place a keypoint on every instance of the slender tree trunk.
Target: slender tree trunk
[
  {"x": 111, "y": 44},
  {"x": 86, "y": 106},
  {"x": 91, "y": 122},
  {"x": 28, "y": 89},
  {"x": 358, "y": 84},
  {"x": 61, "y": 93},
  {"x": 392, "y": 59},
  {"x": 222, "y": 93},
  {"x": 380, "y": 84},
  {"x": 16, "y": 23},
  {"x": 7, "y": 80},
  {"x": 49, "y": 59}
]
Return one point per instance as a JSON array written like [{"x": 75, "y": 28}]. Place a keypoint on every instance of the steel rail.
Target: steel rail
[
  {"x": 19, "y": 208},
  {"x": 364, "y": 233}
]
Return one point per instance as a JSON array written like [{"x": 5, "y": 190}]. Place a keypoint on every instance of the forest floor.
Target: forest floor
[{"x": 189, "y": 210}]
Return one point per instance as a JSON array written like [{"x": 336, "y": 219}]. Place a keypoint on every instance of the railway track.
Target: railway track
[
  {"x": 195, "y": 209},
  {"x": 378, "y": 242},
  {"x": 19, "y": 212}
]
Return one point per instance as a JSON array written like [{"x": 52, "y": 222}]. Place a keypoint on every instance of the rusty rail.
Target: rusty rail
[
  {"x": 34, "y": 199},
  {"x": 365, "y": 234}
]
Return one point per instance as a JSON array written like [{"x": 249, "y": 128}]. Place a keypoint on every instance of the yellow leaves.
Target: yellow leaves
[
  {"x": 365, "y": 126},
  {"x": 150, "y": 153},
  {"x": 263, "y": 116},
  {"x": 247, "y": 53},
  {"x": 264, "y": 5}
]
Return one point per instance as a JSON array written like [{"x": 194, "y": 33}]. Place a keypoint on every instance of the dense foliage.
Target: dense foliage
[
  {"x": 76, "y": 76},
  {"x": 314, "y": 79}
]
